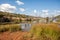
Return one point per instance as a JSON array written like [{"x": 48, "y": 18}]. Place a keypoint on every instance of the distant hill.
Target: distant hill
[
  {"x": 15, "y": 17},
  {"x": 58, "y": 18},
  {"x": 14, "y": 14}
]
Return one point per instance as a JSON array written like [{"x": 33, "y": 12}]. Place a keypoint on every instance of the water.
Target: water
[{"x": 25, "y": 26}]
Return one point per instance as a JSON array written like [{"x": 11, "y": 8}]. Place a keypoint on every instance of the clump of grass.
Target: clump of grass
[
  {"x": 10, "y": 27},
  {"x": 3, "y": 29},
  {"x": 15, "y": 28},
  {"x": 45, "y": 32}
]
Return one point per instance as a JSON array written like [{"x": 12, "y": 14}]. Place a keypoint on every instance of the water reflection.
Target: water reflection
[{"x": 25, "y": 26}]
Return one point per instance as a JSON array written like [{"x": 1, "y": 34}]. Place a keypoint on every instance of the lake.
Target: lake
[{"x": 25, "y": 26}]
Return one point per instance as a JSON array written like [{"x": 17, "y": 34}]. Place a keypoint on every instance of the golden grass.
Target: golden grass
[
  {"x": 39, "y": 31},
  {"x": 45, "y": 32},
  {"x": 10, "y": 27}
]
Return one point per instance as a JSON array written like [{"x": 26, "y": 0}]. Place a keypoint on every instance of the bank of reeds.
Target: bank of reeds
[{"x": 10, "y": 27}]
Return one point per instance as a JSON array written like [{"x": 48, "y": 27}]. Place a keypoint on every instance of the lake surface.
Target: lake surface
[{"x": 25, "y": 26}]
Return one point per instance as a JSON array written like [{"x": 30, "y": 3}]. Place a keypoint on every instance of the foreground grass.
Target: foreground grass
[
  {"x": 45, "y": 32},
  {"x": 9, "y": 27},
  {"x": 38, "y": 32}
]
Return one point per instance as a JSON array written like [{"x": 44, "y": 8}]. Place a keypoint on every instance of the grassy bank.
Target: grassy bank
[
  {"x": 9, "y": 27},
  {"x": 38, "y": 31},
  {"x": 45, "y": 32}
]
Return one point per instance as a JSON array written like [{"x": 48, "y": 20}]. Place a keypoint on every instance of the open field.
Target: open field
[{"x": 38, "y": 31}]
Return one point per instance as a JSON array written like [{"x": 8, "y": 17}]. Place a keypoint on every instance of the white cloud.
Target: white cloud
[
  {"x": 22, "y": 9},
  {"x": 19, "y": 2},
  {"x": 35, "y": 11},
  {"x": 45, "y": 11},
  {"x": 58, "y": 11},
  {"x": 7, "y": 8}
]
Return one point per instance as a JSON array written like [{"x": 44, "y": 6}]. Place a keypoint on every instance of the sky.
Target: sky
[{"x": 38, "y": 8}]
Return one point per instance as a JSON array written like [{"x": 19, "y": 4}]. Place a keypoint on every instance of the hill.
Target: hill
[
  {"x": 14, "y": 17},
  {"x": 57, "y": 18}
]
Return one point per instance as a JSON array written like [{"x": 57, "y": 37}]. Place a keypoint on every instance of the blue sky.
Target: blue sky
[{"x": 32, "y": 7}]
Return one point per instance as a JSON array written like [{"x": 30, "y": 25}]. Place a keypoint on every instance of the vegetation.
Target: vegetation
[
  {"x": 10, "y": 28},
  {"x": 58, "y": 18},
  {"x": 45, "y": 32},
  {"x": 14, "y": 17},
  {"x": 39, "y": 31}
]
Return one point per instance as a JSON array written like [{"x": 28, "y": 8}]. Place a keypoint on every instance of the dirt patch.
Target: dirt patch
[{"x": 12, "y": 36}]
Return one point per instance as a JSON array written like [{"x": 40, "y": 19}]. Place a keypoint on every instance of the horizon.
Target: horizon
[{"x": 43, "y": 8}]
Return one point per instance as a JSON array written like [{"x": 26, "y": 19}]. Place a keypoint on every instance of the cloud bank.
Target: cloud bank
[{"x": 7, "y": 8}]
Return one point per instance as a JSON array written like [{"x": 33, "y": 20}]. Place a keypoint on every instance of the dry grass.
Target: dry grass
[
  {"x": 38, "y": 32},
  {"x": 9, "y": 27},
  {"x": 45, "y": 32}
]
